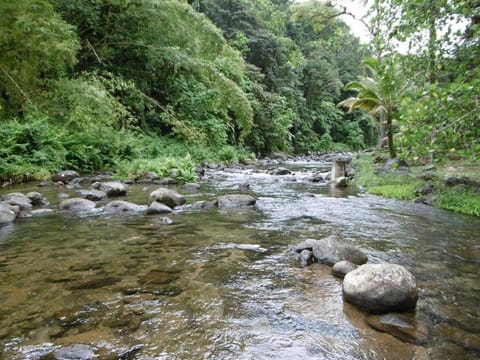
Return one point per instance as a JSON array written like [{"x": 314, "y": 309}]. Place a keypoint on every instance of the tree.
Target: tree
[
  {"x": 35, "y": 45},
  {"x": 378, "y": 95}
]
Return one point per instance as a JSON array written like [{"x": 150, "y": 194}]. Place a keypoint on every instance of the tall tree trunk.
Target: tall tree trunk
[
  {"x": 391, "y": 147},
  {"x": 432, "y": 42},
  {"x": 382, "y": 132}
]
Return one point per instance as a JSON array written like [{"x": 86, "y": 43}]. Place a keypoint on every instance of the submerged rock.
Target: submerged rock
[
  {"x": 401, "y": 326},
  {"x": 120, "y": 207},
  {"x": 76, "y": 352},
  {"x": 235, "y": 200},
  {"x": 39, "y": 212},
  {"x": 381, "y": 288},
  {"x": 77, "y": 205}
]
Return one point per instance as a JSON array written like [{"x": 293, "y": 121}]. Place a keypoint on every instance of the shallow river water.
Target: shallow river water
[{"x": 224, "y": 284}]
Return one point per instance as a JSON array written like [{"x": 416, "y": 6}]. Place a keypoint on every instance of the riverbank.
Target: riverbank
[{"x": 452, "y": 185}]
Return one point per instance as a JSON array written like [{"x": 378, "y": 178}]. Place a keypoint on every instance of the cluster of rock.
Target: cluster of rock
[
  {"x": 375, "y": 288},
  {"x": 161, "y": 201}
]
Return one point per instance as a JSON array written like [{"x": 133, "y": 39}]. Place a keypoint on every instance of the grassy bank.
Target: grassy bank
[{"x": 426, "y": 184}]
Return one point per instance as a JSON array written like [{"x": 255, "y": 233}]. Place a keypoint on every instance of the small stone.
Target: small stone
[
  {"x": 77, "y": 204},
  {"x": 94, "y": 195},
  {"x": 192, "y": 187},
  {"x": 120, "y": 207},
  {"x": 306, "y": 257},
  {"x": 158, "y": 208},
  {"x": 169, "y": 197},
  {"x": 65, "y": 176},
  {"x": 37, "y": 198},
  {"x": 111, "y": 188},
  {"x": 202, "y": 205},
  {"x": 342, "y": 268},
  {"x": 280, "y": 171},
  {"x": 341, "y": 182},
  {"x": 235, "y": 200}
]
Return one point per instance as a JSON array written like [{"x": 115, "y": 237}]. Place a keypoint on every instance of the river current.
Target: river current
[{"x": 224, "y": 283}]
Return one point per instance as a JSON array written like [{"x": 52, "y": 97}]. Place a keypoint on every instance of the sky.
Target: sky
[{"x": 359, "y": 9}]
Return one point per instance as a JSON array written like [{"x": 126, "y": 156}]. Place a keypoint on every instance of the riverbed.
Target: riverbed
[{"x": 224, "y": 283}]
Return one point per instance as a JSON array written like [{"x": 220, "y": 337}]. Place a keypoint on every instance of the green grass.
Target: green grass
[
  {"x": 403, "y": 185},
  {"x": 466, "y": 201},
  {"x": 396, "y": 191}
]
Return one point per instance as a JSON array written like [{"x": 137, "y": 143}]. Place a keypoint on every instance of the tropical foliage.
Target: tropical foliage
[{"x": 103, "y": 84}]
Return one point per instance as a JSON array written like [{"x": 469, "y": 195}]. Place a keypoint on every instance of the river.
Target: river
[{"x": 224, "y": 284}]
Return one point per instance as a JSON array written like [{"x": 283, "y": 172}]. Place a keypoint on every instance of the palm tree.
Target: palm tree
[{"x": 376, "y": 95}]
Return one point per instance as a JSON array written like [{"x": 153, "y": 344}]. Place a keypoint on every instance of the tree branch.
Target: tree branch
[{"x": 23, "y": 93}]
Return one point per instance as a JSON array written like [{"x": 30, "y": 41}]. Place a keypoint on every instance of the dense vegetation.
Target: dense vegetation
[{"x": 139, "y": 85}]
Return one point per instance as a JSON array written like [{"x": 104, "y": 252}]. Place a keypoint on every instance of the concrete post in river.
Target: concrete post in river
[{"x": 339, "y": 167}]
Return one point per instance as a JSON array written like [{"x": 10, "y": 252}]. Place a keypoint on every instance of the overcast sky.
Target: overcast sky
[{"x": 359, "y": 9}]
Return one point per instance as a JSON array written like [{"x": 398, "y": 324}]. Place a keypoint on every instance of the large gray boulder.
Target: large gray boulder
[
  {"x": 331, "y": 250},
  {"x": 119, "y": 207},
  {"x": 381, "y": 288},
  {"x": 22, "y": 201},
  {"x": 65, "y": 176},
  {"x": 6, "y": 215},
  {"x": 235, "y": 200},
  {"x": 169, "y": 197},
  {"x": 76, "y": 205}
]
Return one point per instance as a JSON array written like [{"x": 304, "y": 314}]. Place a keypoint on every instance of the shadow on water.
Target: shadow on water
[{"x": 223, "y": 284}]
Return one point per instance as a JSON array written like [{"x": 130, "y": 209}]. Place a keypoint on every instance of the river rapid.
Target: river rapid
[{"x": 224, "y": 283}]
